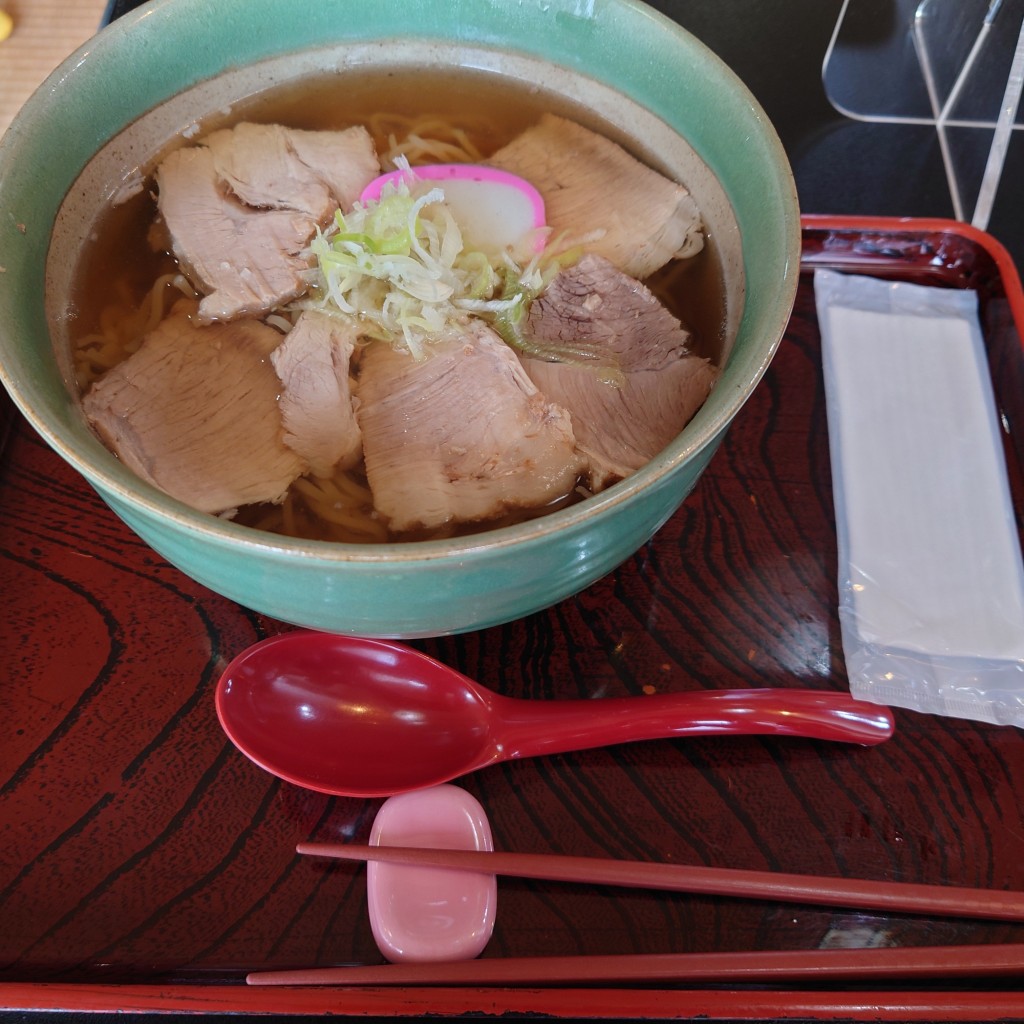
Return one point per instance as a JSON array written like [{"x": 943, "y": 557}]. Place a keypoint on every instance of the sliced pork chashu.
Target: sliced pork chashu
[
  {"x": 461, "y": 435},
  {"x": 242, "y": 204},
  {"x": 313, "y": 364},
  {"x": 268, "y": 166},
  {"x": 590, "y": 183},
  {"x": 194, "y": 411},
  {"x": 618, "y": 429}
]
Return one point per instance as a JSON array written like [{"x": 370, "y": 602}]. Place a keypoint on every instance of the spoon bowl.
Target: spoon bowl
[{"x": 359, "y": 717}]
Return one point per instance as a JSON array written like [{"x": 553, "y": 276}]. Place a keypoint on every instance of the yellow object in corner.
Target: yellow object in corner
[{"x": 6, "y": 25}]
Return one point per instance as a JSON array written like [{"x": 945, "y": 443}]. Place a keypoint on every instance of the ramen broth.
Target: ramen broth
[{"x": 123, "y": 258}]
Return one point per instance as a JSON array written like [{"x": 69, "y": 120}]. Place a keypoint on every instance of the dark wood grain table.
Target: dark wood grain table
[{"x": 145, "y": 865}]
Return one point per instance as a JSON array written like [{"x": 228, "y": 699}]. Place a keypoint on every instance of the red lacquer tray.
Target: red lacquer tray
[{"x": 146, "y": 865}]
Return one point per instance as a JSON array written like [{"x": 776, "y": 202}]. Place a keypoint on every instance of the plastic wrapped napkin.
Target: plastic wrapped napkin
[{"x": 931, "y": 583}]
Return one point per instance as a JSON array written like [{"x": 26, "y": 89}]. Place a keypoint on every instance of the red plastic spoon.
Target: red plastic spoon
[{"x": 369, "y": 718}]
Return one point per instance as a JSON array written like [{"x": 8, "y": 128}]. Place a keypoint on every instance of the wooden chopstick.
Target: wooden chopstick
[
  {"x": 768, "y": 966},
  {"x": 861, "y": 894}
]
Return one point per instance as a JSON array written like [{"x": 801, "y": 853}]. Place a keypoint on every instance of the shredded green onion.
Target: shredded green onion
[{"x": 399, "y": 265}]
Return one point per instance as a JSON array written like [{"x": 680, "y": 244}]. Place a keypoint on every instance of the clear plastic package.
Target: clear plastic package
[{"x": 931, "y": 580}]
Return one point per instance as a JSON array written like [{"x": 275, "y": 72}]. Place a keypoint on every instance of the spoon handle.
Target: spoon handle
[
  {"x": 531, "y": 728},
  {"x": 816, "y": 890}
]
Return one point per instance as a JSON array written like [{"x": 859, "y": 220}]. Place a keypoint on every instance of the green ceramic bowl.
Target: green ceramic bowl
[{"x": 115, "y": 102}]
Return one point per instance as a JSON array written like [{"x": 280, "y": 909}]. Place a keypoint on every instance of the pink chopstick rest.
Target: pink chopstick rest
[{"x": 423, "y": 914}]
